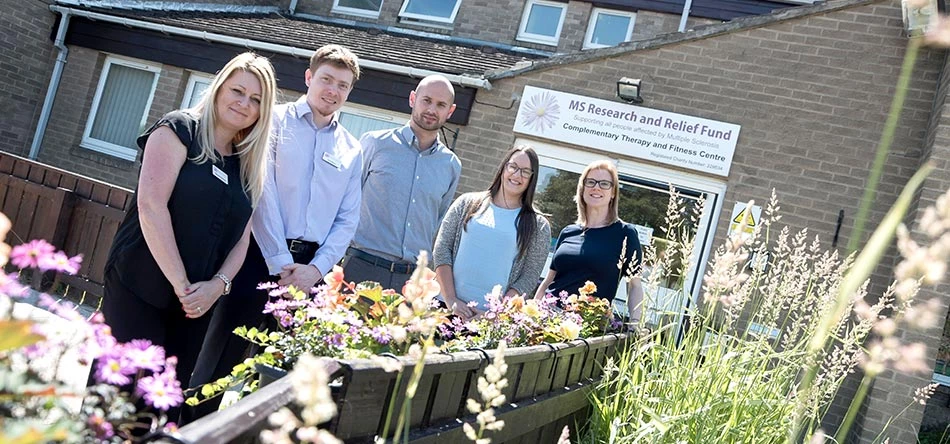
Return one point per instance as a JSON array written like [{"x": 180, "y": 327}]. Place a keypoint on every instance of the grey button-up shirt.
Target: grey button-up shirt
[{"x": 406, "y": 192}]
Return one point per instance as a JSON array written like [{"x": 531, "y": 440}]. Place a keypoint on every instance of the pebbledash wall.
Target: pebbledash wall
[{"x": 811, "y": 89}]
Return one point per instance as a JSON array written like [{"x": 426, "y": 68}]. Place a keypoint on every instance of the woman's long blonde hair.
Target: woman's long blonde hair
[
  {"x": 252, "y": 143},
  {"x": 613, "y": 212}
]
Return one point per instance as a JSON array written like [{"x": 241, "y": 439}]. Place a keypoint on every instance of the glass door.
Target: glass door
[{"x": 644, "y": 197}]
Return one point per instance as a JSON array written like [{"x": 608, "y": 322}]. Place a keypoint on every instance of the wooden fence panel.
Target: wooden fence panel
[{"x": 74, "y": 213}]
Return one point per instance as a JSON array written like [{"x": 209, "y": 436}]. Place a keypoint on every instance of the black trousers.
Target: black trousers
[
  {"x": 244, "y": 306},
  {"x": 132, "y": 318},
  {"x": 222, "y": 349}
]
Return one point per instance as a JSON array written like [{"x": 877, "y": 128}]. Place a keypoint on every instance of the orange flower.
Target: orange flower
[{"x": 588, "y": 289}]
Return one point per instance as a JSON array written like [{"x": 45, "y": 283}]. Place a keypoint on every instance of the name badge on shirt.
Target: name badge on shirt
[
  {"x": 221, "y": 175},
  {"x": 332, "y": 160}
]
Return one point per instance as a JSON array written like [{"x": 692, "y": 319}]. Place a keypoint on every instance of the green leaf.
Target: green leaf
[
  {"x": 17, "y": 333},
  {"x": 207, "y": 390},
  {"x": 192, "y": 401}
]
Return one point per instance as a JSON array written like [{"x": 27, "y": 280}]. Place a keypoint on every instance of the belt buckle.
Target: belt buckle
[{"x": 294, "y": 244}]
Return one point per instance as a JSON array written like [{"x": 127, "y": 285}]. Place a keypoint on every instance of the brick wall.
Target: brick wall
[
  {"x": 26, "y": 63},
  {"x": 895, "y": 390},
  {"x": 811, "y": 94}
]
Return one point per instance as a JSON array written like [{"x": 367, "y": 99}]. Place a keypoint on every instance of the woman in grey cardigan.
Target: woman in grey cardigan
[{"x": 493, "y": 237}]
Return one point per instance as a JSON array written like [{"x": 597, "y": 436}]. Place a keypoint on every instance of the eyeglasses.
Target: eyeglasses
[
  {"x": 602, "y": 184},
  {"x": 513, "y": 168}
]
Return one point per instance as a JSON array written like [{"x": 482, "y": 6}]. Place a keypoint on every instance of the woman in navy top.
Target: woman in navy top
[
  {"x": 185, "y": 235},
  {"x": 591, "y": 248}
]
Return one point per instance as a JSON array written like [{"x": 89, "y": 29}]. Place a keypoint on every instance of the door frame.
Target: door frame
[{"x": 573, "y": 159}]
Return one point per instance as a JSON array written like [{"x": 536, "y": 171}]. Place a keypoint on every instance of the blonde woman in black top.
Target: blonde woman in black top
[{"x": 187, "y": 231}]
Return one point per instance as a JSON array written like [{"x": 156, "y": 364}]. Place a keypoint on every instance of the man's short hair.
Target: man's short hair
[{"x": 337, "y": 56}]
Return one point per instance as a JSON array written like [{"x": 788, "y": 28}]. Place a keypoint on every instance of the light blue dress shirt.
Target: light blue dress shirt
[
  {"x": 312, "y": 190},
  {"x": 406, "y": 192}
]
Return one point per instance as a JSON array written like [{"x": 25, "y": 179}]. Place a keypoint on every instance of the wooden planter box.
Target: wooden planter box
[{"x": 548, "y": 387}]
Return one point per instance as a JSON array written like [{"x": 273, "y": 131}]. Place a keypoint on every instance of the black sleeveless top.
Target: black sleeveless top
[{"x": 208, "y": 218}]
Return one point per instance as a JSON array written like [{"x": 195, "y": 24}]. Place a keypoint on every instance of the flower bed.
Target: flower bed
[{"x": 548, "y": 387}]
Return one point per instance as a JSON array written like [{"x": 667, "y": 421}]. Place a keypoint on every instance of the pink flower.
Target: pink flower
[
  {"x": 28, "y": 255},
  {"x": 113, "y": 370},
  {"x": 58, "y": 261},
  {"x": 160, "y": 391},
  {"x": 101, "y": 427},
  {"x": 142, "y": 354}
]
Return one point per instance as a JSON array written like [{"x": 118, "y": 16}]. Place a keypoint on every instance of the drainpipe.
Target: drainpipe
[
  {"x": 53, "y": 84},
  {"x": 293, "y": 6},
  {"x": 686, "y": 6}
]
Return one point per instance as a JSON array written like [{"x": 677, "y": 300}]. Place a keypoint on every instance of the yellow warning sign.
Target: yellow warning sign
[{"x": 745, "y": 216}]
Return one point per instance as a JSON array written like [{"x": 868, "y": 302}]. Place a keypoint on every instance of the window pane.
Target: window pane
[
  {"x": 369, "y": 5},
  {"x": 122, "y": 105},
  {"x": 196, "y": 92},
  {"x": 610, "y": 29},
  {"x": 436, "y": 8},
  {"x": 543, "y": 20},
  {"x": 357, "y": 125}
]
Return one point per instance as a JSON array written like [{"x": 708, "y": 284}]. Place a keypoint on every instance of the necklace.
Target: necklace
[{"x": 507, "y": 205}]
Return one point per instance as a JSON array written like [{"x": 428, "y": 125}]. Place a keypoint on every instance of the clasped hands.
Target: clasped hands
[
  {"x": 302, "y": 276},
  {"x": 198, "y": 298}
]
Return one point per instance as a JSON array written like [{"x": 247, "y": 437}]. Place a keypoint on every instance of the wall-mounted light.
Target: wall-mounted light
[
  {"x": 629, "y": 90},
  {"x": 917, "y": 15}
]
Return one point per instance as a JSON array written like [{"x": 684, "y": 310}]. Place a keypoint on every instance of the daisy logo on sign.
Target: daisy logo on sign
[{"x": 540, "y": 112}]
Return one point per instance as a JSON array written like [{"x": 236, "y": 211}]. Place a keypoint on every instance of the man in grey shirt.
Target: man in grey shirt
[{"x": 409, "y": 181}]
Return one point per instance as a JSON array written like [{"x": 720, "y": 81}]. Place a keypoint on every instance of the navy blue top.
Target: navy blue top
[
  {"x": 208, "y": 218},
  {"x": 592, "y": 255}
]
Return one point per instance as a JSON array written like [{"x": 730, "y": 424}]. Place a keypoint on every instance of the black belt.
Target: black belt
[
  {"x": 302, "y": 250},
  {"x": 393, "y": 267}
]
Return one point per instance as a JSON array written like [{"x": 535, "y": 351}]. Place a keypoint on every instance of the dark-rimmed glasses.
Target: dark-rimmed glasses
[
  {"x": 602, "y": 184},
  {"x": 513, "y": 168}
]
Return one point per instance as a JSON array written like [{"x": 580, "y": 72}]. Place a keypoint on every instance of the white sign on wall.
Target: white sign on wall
[
  {"x": 675, "y": 139},
  {"x": 744, "y": 217}
]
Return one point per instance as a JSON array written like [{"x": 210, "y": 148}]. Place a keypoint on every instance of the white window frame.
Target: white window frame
[
  {"x": 355, "y": 11},
  {"x": 429, "y": 18},
  {"x": 193, "y": 79},
  {"x": 525, "y": 36},
  {"x": 375, "y": 113},
  {"x": 594, "y": 14},
  {"x": 106, "y": 147}
]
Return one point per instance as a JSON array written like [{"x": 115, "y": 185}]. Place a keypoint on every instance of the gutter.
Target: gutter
[
  {"x": 469, "y": 81},
  {"x": 54, "y": 80}
]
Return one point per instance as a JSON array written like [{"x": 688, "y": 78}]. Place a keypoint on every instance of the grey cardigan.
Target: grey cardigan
[{"x": 525, "y": 272}]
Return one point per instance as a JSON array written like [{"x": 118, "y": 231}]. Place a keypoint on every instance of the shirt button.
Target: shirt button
[
  {"x": 417, "y": 177},
  {"x": 409, "y": 224},
  {"x": 413, "y": 201}
]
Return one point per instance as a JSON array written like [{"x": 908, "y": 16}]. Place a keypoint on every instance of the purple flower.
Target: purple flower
[
  {"x": 58, "y": 261},
  {"x": 102, "y": 428},
  {"x": 28, "y": 255},
  {"x": 381, "y": 335},
  {"x": 160, "y": 391},
  {"x": 336, "y": 340},
  {"x": 142, "y": 354},
  {"x": 267, "y": 285},
  {"x": 10, "y": 286},
  {"x": 99, "y": 341},
  {"x": 113, "y": 370}
]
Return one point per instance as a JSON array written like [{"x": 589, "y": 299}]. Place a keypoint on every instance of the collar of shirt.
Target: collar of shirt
[
  {"x": 406, "y": 134},
  {"x": 302, "y": 110}
]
